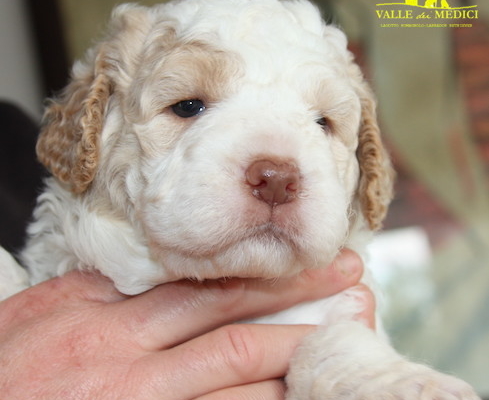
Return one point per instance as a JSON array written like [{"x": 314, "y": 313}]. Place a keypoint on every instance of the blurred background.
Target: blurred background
[{"x": 432, "y": 84}]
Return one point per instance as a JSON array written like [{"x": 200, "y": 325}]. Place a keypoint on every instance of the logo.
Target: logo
[{"x": 425, "y": 13}]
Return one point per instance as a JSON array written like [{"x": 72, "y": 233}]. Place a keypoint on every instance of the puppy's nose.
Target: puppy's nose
[{"x": 273, "y": 182}]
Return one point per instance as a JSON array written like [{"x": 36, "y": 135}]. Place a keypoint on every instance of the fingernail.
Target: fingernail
[{"x": 348, "y": 263}]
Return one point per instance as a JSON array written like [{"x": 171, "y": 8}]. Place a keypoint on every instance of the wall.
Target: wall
[{"x": 19, "y": 78}]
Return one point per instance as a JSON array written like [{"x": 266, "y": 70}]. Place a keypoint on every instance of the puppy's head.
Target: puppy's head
[{"x": 235, "y": 138}]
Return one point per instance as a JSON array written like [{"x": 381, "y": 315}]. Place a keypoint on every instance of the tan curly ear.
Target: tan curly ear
[
  {"x": 68, "y": 144},
  {"x": 376, "y": 174}
]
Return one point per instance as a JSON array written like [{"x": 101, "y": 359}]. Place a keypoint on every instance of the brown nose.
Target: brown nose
[{"x": 272, "y": 182}]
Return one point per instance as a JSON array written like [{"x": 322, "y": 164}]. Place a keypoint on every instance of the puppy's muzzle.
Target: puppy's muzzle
[{"x": 273, "y": 182}]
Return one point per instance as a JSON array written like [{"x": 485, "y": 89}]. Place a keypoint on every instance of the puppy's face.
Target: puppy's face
[{"x": 237, "y": 141}]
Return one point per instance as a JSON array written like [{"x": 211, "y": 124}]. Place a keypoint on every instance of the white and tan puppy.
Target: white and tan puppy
[{"x": 213, "y": 138}]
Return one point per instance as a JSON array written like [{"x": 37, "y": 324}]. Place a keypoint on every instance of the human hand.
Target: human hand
[{"x": 76, "y": 337}]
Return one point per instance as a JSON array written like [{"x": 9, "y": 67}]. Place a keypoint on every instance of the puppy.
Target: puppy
[{"x": 212, "y": 138}]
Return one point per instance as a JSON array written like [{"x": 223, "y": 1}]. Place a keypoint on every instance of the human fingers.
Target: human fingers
[
  {"x": 273, "y": 389},
  {"x": 173, "y": 313},
  {"x": 228, "y": 357}
]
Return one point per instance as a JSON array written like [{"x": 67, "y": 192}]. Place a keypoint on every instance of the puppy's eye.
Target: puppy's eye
[
  {"x": 322, "y": 121},
  {"x": 325, "y": 123},
  {"x": 188, "y": 108}
]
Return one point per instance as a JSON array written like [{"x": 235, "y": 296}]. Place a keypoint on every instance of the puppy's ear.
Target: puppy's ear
[
  {"x": 375, "y": 186},
  {"x": 68, "y": 144},
  {"x": 69, "y": 141}
]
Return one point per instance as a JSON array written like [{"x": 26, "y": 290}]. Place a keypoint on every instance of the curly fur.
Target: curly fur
[{"x": 148, "y": 197}]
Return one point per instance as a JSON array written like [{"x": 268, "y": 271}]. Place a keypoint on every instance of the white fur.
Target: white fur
[
  {"x": 169, "y": 199},
  {"x": 13, "y": 278}
]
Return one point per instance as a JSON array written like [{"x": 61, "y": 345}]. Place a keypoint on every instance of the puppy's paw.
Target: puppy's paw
[
  {"x": 399, "y": 381},
  {"x": 349, "y": 362},
  {"x": 413, "y": 381}
]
